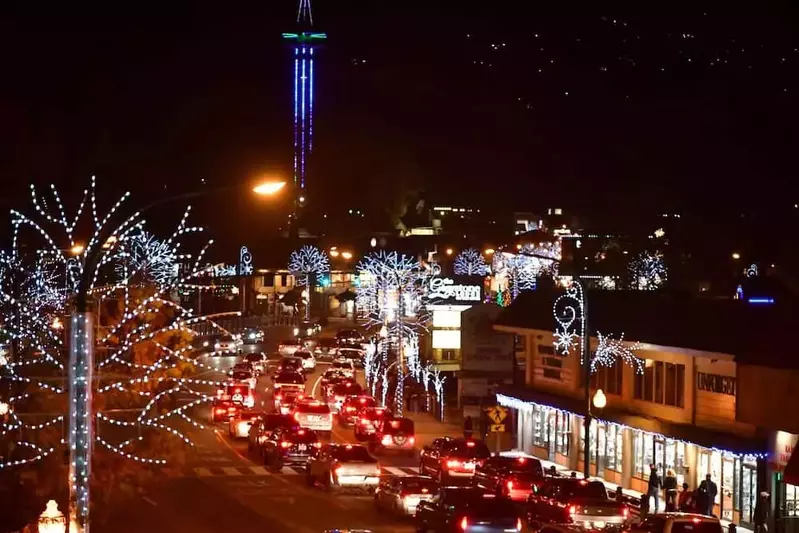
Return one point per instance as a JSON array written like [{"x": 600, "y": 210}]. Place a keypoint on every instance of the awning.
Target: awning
[
  {"x": 693, "y": 434},
  {"x": 791, "y": 474}
]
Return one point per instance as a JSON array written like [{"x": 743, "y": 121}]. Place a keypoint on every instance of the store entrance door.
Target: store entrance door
[{"x": 748, "y": 493}]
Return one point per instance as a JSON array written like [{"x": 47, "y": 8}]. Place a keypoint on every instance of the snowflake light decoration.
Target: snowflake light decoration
[
  {"x": 610, "y": 350},
  {"x": 648, "y": 271},
  {"x": 470, "y": 262},
  {"x": 569, "y": 313}
]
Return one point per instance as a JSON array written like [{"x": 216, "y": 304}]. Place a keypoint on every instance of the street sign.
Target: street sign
[
  {"x": 497, "y": 414},
  {"x": 497, "y": 428}
]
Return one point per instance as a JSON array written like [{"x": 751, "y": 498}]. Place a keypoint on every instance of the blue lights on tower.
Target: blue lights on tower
[{"x": 305, "y": 41}]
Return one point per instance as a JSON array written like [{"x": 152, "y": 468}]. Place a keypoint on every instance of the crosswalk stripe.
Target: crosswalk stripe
[
  {"x": 231, "y": 471},
  {"x": 394, "y": 470},
  {"x": 288, "y": 471},
  {"x": 259, "y": 471},
  {"x": 203, "y": 472}
]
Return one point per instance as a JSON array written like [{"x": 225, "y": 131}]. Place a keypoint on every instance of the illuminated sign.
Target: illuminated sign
[
  {"x": 245, "y": 262},
  {"x": 715, "y": 383},
  {"x": 446, "y": 289}
]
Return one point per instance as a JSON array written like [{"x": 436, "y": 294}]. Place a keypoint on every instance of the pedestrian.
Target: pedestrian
[
  {"x": 762, "y": 511},
  {"x": 701, "y": 498},
  {"x": 574, "y": 475},
  {"x": 670, "y": 487},
  {"x": 686, "y": 501},
  {"x": 468, "y": 428},
  {"x": 553, "y": 471},
  {"x": 712, "y": 491},
  {"x": 619, "y": 494},
  {"x": 653, "y": 487}
]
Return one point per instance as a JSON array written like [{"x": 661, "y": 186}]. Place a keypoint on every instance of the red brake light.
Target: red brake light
[
  {"x": 625, "y": 513},
  {"x": 349, "y": 446},
  {"x": 301, "y": 432},
  {"x": 518, "y": 524},
  {"x": 350, "y": 409},
  {"x": 279, "y": 397},
  {"x": 297, "y": 417},
  {"x": 285, "y": 444},
  {"x": 362, "y": 400},
  {"x": 510, "y": 485},
  {"x": 470, "y": 444},
  {"x": 696, "y": 520},
  {"x": 583, "y": 482},
  {"x": 386, "y": 440},
  {"x": 219, "y": 411},
  {"x": 572, "y": 510},
  {"x": 453, "y": 464},
  {"x": 317, "y": 444},
  {"x": 395, "y": 424},
  {"x": 337, "y": 471},
  {"x": 365, "y": 421},
  {"x": 464, "y": 523},
  {"x": 522, "y": 460},
  {"x": 412, "y": 440}
]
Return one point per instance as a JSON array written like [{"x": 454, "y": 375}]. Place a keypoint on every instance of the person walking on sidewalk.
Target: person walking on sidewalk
[
  {"x": 468, "y": 428},
  {"x": 670, "y": 486},
  {"x": 762, "y": 508},
  {"x": 653, "y": 488},
  {"x": 686, "y": 503}
]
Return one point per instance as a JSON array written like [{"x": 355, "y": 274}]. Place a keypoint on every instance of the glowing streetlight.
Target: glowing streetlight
[
  {"x": 346, "y": 255},
  {"x": 57, "y": 324},
  {"x": 450, "y": 251},
  {"x": 4, "y": 408},
  {"x": 268, "y": 188},
  {"x": 736, "y": 255},
  {"x": 334, "y": 252},
  {"x": 600, "y": 400},
  {"x": 373, "y": 242},
  {"x": 489, "y": 251},
  {"x": 52, "y": 520},
  {"x": 77, "y": 249},
  {"x": 518, "y": 246}
]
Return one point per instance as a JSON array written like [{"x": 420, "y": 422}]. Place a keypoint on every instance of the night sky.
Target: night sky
[{"x": 478, "y": 105}]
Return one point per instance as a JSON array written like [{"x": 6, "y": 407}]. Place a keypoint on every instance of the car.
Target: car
[
  {"x": 576, "y": 501},
  {"x": 239, "y": 425},
  {"x": 285, "y": 381},
  {"x": 222, "y": 409},
  {"x": 340, "y": 391},
  {"x": 330, "y": 377},
  {"x": 467, "y": 510},
  {"x": 338, "y": 466},
  {"x": 260, "y": 431},
  {"x": 253, "y": 336},
  {"x": 352, "y": 408},
  {"x": 400, "y": 495},
  {"x": 286, "y": 446},
  {"x": 326, "y": 348},
  {"x": 354, "y": 354},
  {"x": 369, "y": 423},
  {"x": 240, "y": 393},
  {"x": 290, "y": 364},
  {"x": 395, "y": 435},
  {"x": 227, "y": 344},
  {"x": 344, "y": 365},
  {"x": 448, "y": 458},
  {"x": 678, "y": 523},
  {"x": 313, "y": 414},
  {"x": 240, "y": 372},
  {"x": 285, "y": 400},
  {"x": 307, "y": 360},
  {"x": 515, "y": 477},
  {"x": 288, "y": 347},
  {"x": 256, "y": 361},
  {"x": 349, "y": 335},
  {"x": 307, "y": 328}
]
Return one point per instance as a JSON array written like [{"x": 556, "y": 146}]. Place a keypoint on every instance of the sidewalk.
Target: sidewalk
[{"x": 429, "y": 428}]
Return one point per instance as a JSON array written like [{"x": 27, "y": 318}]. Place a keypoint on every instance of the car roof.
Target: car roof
[{"x": 687, "y": 516}]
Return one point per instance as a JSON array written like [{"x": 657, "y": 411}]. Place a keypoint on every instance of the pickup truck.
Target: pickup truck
[{"x": 576, "y": 501}]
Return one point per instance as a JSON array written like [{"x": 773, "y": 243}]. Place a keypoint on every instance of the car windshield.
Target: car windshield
[
  {"x": 472, "y": 449},
  {"x": 291, "y": 378},
  {"x": 522, "y": 465},
  {"x": 315, "y": 408},
  {"x": 584, "y": 489},
  {"x": 353, "y": 454},
  {"x": 304, "y": 355},
  {"x": 398, "y": 425},
  {"x": 342, "y": 364}
]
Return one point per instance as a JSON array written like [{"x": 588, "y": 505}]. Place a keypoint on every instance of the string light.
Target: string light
[
  {"x": 648, "y": 271},
  {"x": 470, "y": 262},
  {"x": 569, "y": 312},
  {"x": 307, "y": 263},
  {"x": 610, "y": 350}
]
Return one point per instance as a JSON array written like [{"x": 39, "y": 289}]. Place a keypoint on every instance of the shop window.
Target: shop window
[
  {"x": 644, "y": 449},
  {"x": 448, "y": 355},
  {"x": 545, "y": 350},
  {"x": 540, "y": 426},
  {"x": 662, "y": 383},
  {"x": 791, "y": 506},
  {"x": 609, "y": 379},
  {"x": 563, "y": 432}
]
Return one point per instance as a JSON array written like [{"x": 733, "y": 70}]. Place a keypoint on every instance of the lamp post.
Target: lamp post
[
  {"x": 52, "y": 520},
  {"x": 81, "y": 357}
]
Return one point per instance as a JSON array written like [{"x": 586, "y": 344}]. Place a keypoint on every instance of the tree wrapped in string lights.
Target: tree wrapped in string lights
[
  {"x": 306, "y": 264},
  {"x": 393, "y": 296},
  {"x": 470, "y": 262},
  {"x": 647, "y": 271},
  {"x": 125, "y": 400}
]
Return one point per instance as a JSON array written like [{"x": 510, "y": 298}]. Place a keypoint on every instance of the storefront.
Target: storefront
[
  {"x": 784, "y": 465},
  {"x": 449, "y": 298},
  {"x": 621, "y": 454}
]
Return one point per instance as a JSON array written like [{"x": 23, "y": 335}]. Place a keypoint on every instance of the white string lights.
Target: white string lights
[
  {"x": 470, "y": 262},
  {"x": 569, "y": 312},
  {"x": 647, "y": 271},
  {"x": 306, "y": 264},
  {"x": 610, "y": 350}
]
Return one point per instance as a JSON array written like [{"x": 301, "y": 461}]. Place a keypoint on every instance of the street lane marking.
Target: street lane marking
[
  {"x": 397, "y": 471},
  {"x": 148, "y": 500},
  {"x": 202, "y": 472},
  {"x": 259, "y": 470},
  {"x": 231, "y": 471},
  {"x": 289, "y": 471}
]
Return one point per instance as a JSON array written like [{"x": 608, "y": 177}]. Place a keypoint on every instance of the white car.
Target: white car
[
  {"x": 239, "y": 427},
  {"x": 308, "y": 360},
  {"x": 345, "y": 365},
  {"x": 289, "y": 347},
  {"x": 229, "y": 344},
  {"x": 313, "y": 414}
]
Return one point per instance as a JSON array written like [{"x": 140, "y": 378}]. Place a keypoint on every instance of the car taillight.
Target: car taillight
[
  {"x": 350, "y": 409},
  {"x": 301, "y": 432},
  {"x": 518, "y": 524},
  {"x": 625, "y": 512},
  {"x": 364, "y": 421},
  {"x": 453, "y": 464},
  {"x": 285, "y": 444},
  {"x": 297, "y": 417},
  {"x": 220, "y": 411},
  {"x": 412, "y": 440},
  {"x": 510, "y": 485},
  {"x": 386, "y": 440},
  {"x": 338, "y": 470},
  {"x": 572, "y": 511},
  {"x": 464, "y": 523},
  {"x": 317, "y": 444},
  {"x": 278, "y": 397}
]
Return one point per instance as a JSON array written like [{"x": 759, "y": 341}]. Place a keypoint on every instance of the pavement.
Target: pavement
[{"x": 224, "y": 489}]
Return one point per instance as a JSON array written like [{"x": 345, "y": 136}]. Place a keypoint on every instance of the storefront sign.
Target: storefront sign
[
  {"x": 715, "y": 383},
  {"x": 782, "y": 448},
  {"x": 446, "y": 289},
  {"x": 482, "y": 348}
]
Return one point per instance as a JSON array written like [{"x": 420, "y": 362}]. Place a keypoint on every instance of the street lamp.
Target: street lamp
[
  {"x": 57, "y": 324},
  {"x": 736, "y": 255},
  {"x": 77, "y": 249},
  {"x": 489, "y": 251},
  {"x": 4, "y": 408},
  {"x": 346, "y": 255},
  {"x": 268, "y": 188},
  {"x": 600, "y": 400},
  {"x": 52, "y": 520}
]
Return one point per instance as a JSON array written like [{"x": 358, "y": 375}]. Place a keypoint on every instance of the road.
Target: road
[{"x": 222, "y": 489}]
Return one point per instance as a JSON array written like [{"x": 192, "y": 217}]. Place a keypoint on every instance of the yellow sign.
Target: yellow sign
[
  {"x": 497, "y": 428},
  {"x": 497, "y": 414}
]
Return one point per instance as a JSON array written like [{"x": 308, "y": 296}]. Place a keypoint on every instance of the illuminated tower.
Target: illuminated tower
[{"x": 304, "y": 42}]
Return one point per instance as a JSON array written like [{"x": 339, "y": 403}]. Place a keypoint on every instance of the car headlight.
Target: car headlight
[
  {"x": 309, "y": 332},
  {"x": 296, "y": 331},
  {"x": 252, "y": 335},
  {"x": 217, "y": 346},
  {"x": 205, "y": 344}
]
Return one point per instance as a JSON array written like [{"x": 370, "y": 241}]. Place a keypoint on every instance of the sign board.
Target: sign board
[
  {"x": 782, "y": 447},
  {"x": 448, "y": 291},
  {"x": 482, "y": 348},
  {"x": 715, "y": 383},
  {"x": 497, "y": 428},
  {"x": 497, "y": 414}
]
